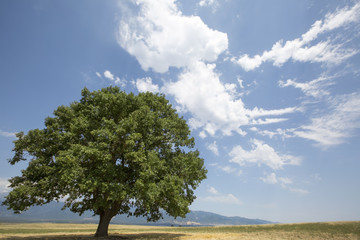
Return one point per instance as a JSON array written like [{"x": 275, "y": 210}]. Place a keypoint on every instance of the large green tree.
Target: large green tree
[{"x": 110, "y": 153}]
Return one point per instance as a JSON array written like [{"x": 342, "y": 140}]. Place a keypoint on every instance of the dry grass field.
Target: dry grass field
[{"x": 52, "y": 231}]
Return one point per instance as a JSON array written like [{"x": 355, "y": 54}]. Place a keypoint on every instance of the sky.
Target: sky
[{"x": 270, "y": 89}]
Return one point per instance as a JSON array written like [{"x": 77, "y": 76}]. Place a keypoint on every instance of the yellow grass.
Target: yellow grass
[{"x": 51, "y": 231}]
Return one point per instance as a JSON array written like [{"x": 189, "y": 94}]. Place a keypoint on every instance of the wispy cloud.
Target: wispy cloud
[
  {"x": 335, "y": 126},
  {"x": 262, "y": 153},
  {"x": 231, "y": 170},
  {"x": 7, "y": 134},
  {"x": 204, "y": 3},
  {"x": 218, "y": 197},
  {"x": 332, "y": 126},
  {"x": 284, "y": 182},
  {"x": 300, "y": 49},
  {"x": 283, "y": 133},
  {"x": 227, "y": 169},
  {"x": 213, "y": 148},
  {"x": 214, "y": 4},
  {"x": 315, "y": 88}
]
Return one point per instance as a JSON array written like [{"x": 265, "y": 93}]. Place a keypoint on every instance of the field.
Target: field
[{"x": 52, "y": 231}]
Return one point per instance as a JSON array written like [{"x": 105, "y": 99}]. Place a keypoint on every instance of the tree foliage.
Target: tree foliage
[{"x": 110, "y": 153}]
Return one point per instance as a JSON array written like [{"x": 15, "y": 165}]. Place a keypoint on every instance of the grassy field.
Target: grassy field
[{"x": 51, "y": 231}]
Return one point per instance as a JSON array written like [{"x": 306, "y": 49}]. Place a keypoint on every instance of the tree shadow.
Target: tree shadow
[{"x": 132, "y": 236}]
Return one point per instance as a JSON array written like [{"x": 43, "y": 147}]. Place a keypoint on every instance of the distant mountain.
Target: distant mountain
[{"x": 52, "y": 213}]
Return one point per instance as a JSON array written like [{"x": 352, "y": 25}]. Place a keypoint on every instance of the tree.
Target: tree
[{"x": 110, "y": 153}]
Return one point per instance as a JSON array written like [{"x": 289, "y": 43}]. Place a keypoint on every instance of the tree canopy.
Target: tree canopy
[{"x": 110, "y": 153}]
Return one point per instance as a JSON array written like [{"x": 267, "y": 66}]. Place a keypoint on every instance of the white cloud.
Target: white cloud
[
  {"x": 229, "y": 169},
  {"x": 214, "y": 4},
  {"x": 262, "y": 153},
  {"x": 160, "y": 36},
  {"x": 315, "y": 88},
  {"x": 120, "y": 82},
  {"x": 202, "y": 134},
  {"x": 218, "y": 197},
  {"x": 259, "y": 112},
  {"x": 267, "y": 121},
  {"x": 337, "y": 125},
  {"x": 200, "y": 91},
  {"x": 271, "y": 179},
  {"x": 333, "y": 127},
  {"x": 241, "y": 82},
  {"x": 213, "y": 148},
  {"x": 300, "y": 49},
  {"x": 299, "y": 191},
  {"x": 146, "y": 85},
  {"x": 213, "y": 190},
  {"x": 7, "y": 134},
  {"x": 204, "y": 3},
  {"x": 284, "y": 182},
  {"x": 214, "y": 105},
  {"x": 4, "y": 186},
  {"x": 227, "y": 198},
  {"x": 194, "y": 123},
  {"x": 109, "y": 75},
  {"x": 283, "y": 133},
  {"x": 248, "y": 63}
]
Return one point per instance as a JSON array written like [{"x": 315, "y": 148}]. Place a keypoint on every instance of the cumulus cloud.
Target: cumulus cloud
[
  {"x": 262, "y": 153},
  {"x": 200, "y": 91},
  {"x": 160, "y": 36},
  {"x": 300, "y": 49},
  {"x": 108, "y": 75},
  {"x": 335, "y": 126},
  {"x": 213, "y": 104},
  {"x": 146, "y": 85}
]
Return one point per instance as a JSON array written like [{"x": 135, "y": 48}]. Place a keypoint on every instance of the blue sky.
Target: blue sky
[{"x": 270, "y": 89}]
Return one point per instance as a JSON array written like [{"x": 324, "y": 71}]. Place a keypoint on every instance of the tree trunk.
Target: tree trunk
[{"x": 105, "y": 218}]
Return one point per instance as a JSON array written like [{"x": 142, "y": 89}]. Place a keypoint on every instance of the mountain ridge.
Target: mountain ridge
[{"x": 52, "y": 212}]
